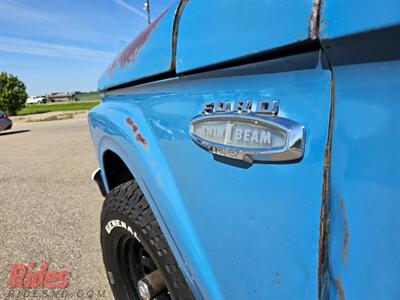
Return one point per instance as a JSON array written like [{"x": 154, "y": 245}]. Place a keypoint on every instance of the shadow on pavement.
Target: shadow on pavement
[{"x": 13, "y": 132}]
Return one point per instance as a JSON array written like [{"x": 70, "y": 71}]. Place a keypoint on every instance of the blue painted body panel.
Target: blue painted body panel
[
  {"x": 147, "y": 55},
  {"x": 211, "y": 32},
  {"x": 228, "y": 223},
  {"x": 341, "y": 18},
  {"x": 254, "y": 233},
  {"x": 364, "y": 260},
  {"x": 365, "y": 182}
]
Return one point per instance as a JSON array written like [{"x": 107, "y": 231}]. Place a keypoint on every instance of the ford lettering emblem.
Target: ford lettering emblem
[{"x": 248, "y": 131}]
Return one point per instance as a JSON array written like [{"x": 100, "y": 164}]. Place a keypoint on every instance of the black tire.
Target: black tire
[{"x": 127, "y": 243}]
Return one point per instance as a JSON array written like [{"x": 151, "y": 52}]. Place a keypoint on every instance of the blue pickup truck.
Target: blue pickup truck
[{"x": 251, "y": 150}]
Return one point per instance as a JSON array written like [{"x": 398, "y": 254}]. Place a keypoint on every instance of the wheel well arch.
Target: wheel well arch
[{"x": 115, "y": 170}]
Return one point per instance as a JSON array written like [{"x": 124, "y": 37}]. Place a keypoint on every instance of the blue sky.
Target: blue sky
[{"x": 61, "y": 45}]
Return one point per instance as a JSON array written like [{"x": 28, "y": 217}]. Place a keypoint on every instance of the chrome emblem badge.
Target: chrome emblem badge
[{"x": 250, "y": 131}]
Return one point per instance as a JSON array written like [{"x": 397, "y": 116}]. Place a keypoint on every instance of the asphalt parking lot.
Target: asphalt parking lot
[{"x": 50, "y": 209}]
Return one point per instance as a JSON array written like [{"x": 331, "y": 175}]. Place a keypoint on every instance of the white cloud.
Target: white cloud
[
  {"x": 14, "y": 11},
  {"x": 54, "y": 23},
  {"x": 130, "y": 7},
  {"x": 15, "y": 45}
]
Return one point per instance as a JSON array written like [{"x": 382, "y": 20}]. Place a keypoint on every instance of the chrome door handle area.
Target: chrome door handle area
[{"x": 252, "y": 133}]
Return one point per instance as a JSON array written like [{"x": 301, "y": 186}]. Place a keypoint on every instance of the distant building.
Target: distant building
[{"x": 60, "y": 97}]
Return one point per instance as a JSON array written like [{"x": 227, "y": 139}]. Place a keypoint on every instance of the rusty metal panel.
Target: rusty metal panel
[{"x": 149, "y": 54}]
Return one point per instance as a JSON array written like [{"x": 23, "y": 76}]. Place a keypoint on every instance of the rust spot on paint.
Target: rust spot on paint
[
  {"x": 323, "y": 247},
  {"x": 141, "y": 139},
  {"x": 313, "y": 21},
  {"x": 345, "y": 247},
  {"x": 129, "y": 54},
  {"x": 135, "y": 129},
  {"x": 321, "y": 243},
  {"x": 132, "y": 124},
  {"x": 339, "y": 287}
]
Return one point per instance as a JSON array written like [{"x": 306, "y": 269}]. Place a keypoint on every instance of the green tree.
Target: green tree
[{"x": 12, "y": 93}]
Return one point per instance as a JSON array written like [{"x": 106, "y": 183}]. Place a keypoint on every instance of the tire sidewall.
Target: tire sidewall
[{"x": 109, "y": 243}]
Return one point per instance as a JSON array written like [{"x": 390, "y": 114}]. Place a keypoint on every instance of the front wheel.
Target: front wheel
[{"x": 137, "y": 258}]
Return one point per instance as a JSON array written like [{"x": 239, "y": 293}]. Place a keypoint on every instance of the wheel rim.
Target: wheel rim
[{"x": 135, "y": 263}]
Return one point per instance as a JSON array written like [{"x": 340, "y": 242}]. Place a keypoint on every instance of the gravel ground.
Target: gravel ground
[
  {"x": 50, "y": 209},
  {"x": 51, "y": 116}
]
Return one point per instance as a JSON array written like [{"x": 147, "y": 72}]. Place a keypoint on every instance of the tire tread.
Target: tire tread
[{"x": 128, "y": 200}]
